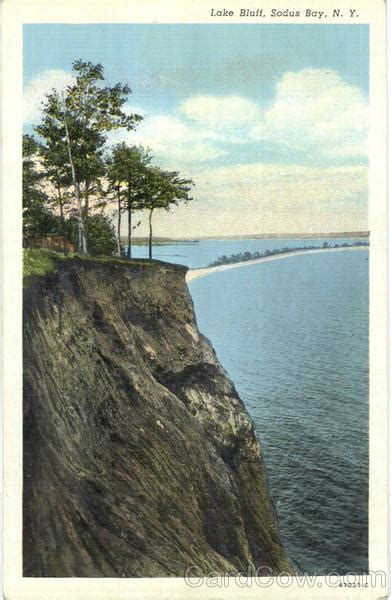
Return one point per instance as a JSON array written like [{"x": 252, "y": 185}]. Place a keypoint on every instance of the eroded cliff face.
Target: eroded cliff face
[{"x": 139, "y": 456}]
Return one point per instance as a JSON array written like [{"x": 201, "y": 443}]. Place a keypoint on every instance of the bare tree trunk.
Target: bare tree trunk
[
  {"x": 119, "y": 224},
  {"x": 129, "y": 253},
  {"x": 150, "y": 235},
  {"x": 81, "y": 234},
  {"x": 87, "y": 200},
  {"x": 61, "y": 205}
]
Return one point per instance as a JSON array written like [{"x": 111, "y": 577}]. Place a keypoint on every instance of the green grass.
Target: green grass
[{"x": 38, "y": 262}]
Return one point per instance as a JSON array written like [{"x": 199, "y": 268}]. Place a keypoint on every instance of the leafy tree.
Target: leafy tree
[
  {"x": 127, "y": 174},
  {"x": 56, "y": 170},
  {"x": 163, "y": 189},
  {"x": 81, "y": 119},
  {"x": 31, "y": 176},
  {"x": 37, "y": 219}
]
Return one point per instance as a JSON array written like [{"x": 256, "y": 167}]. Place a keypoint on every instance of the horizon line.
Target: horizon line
[{"x": 361, "y": 233}]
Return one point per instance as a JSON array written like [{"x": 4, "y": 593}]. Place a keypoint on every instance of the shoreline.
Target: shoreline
[{"x": 193, "y": 274}]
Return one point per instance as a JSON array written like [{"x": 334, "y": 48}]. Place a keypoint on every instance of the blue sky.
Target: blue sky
[
  {"x": 271, "y": 116},
  {"x": 241, "y": 57}
]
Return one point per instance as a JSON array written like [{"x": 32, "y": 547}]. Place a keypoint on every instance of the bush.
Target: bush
[{"x": 101, "y": 239}]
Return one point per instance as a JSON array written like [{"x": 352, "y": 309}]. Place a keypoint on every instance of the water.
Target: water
[
  {"x": 293, "y": 336},
  {"x": 206, "y": 251}
]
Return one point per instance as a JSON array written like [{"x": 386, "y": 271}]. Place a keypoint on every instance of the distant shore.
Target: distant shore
[
  {"x": 143, "y": 241},
  {"x": 193, "y": 274},
  {"x": 167, "y": 241}
]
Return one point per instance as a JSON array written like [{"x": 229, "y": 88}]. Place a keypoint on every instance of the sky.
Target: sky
[{"x": 270, "y": 121}]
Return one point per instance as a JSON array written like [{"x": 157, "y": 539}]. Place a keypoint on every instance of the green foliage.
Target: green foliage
[
  {"x": 100, "y": 231},
  {"x": 74, "y": 127},
  {"x": 91, "y": 110},
  {"x": 101, "y": 236},
  {"x": 56, "y": 167},
  {"x": 38, "y": 220},
  {"x": 127, "y": 171},
  {"x": 142, "y": 185},
  {"x": 31, "y": 177},
  {"x": 162, "y": 189}
]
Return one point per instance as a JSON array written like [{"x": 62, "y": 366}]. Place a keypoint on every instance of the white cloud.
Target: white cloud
[
  {"x": 221, "y": 118},
  {"x": 314, "y": 114},
  {"x": 316, "y": 111},
  {"x": 271, "y": 185},
  {"x": 198, "y": 130},
  {"x": 171, "y": 140},
  {"x": 37, "y": 89}
]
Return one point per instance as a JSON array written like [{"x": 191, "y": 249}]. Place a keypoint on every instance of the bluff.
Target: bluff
[{"x": 139, "y": 456}]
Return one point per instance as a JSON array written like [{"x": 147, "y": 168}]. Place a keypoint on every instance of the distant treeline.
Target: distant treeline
[
  {"x": 159, "y": 241},
  {"x": 243, "y": 256}
]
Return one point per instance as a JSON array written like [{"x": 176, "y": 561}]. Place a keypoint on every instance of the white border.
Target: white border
[{"x": 15, "y": 13}]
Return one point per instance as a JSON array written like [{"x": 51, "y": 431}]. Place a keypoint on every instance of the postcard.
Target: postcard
[{"x": 195, "y": 300}]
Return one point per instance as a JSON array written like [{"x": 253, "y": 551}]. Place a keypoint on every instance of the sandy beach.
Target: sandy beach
[{"x": 197, "y": 273}]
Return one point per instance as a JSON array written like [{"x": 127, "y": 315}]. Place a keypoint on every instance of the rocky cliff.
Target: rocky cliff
[{"x": 139, "y": 457}]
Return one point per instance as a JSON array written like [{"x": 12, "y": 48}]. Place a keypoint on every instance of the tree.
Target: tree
[
  {"x": 56, "y": 171},
  {"x": 127, "y": 172},
  {"x": 31, "y": 177},
  {"x": 37, "y": 219},
  {"x": 163, "y": 189},
  {"x": 81, "y": 119}
]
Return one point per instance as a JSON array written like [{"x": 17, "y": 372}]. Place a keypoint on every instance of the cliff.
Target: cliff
[{"x": 139, "y": 456}]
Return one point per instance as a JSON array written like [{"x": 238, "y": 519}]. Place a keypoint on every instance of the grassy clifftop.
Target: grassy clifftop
[{"x": 38, "y": 262}]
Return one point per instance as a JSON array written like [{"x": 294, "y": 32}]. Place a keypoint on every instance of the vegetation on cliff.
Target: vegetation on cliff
[{"x": 38, "y": 262}]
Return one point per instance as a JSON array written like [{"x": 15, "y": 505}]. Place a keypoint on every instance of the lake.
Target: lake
[
  {"x": 293, "y": 336},
  {"x": 197, "y": 255}
]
